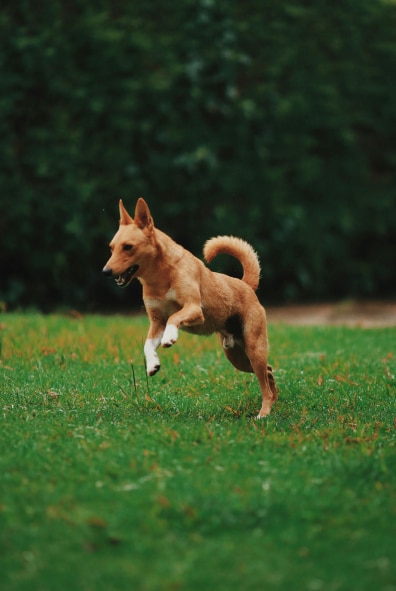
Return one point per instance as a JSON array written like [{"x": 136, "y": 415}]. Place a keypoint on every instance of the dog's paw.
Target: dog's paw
[
  {"x": 265, "y": 410},
  {"x": 153, "y": 369},
  {"x": 170, "y": 335}
]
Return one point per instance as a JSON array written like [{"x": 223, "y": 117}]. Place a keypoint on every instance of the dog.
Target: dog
[{"x": 180, "y": 292}]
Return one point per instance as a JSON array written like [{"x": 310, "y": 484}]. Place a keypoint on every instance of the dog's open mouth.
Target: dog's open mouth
[{"x": 126, "y": 277}]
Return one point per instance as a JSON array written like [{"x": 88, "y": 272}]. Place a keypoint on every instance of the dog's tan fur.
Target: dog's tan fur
[{"x": 179, "y": 291}]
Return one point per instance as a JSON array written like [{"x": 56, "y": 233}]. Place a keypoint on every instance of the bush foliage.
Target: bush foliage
[{"x": 274, "y": 121}]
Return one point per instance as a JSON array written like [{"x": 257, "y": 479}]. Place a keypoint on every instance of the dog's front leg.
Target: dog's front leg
[
  {"x": 151, "y": 345},
  {"x": 150, "y": 353},
  {"x": 170, "y": 335},
  {"x": 189, "y": 315}
]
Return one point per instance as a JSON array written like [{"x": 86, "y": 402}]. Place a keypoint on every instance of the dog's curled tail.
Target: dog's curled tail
[{"x": 239, "y": 249}]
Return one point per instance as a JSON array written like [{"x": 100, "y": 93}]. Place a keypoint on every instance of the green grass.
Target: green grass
[{"x": 112, "y": 481}]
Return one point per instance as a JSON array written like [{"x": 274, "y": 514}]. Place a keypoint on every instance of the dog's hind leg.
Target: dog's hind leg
[
  {"x": 268, "y": 393},
  {"x": 239, "y": 359},
  {"x": 266, "y": 381},
  {"x": 256, "y": 347},
  {"x": 237, "y": 356},
  {"x": 271, "y": 381}
]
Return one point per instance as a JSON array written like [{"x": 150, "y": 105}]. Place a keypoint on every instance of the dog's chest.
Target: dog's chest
[{"x": 167, "y": 304}]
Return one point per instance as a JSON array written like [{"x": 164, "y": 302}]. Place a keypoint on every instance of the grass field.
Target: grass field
[{"x": 112, "y": 481}]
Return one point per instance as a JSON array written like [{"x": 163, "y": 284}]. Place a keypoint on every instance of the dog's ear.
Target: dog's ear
[
  {"x": 125, "y": 218},
  {"x": 143, "y": 217}
]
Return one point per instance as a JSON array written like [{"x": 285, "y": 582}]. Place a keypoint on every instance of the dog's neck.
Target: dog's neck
[
  {"x": 168, "y": 249},
  {"x": 168, "y": 255}
]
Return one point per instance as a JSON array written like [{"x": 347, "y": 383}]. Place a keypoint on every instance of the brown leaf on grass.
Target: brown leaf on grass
[
  {"x": 53, "y": 395},
  {"x": 344, "y": 379},
  {"x": 326, "y": 442},
  {"x": 234, "y": 412},
  {"x": 96, "y": 522},
  {"x": 46, "y": 351},
  {"x": 320, "y": 380},
  {"x": 163, "y": 501},
  {"x": 361, "y": 439},
  {"x": 173, "y": 434},
  {"x": 189, "y": 511},
  {"x": 388, "y": 357},
  {"x": 55, "y": 512},
  {"x": 148, "y": 452}
]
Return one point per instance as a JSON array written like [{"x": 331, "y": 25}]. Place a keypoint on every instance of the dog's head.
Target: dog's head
[{"x": 133, "y": 246}]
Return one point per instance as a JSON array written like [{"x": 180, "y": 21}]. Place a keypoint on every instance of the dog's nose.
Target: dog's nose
[{"x": 107, "y": 271}]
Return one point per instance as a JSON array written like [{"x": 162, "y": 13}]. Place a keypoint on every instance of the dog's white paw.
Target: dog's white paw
[
  {"x": 170, "y": 335},
  {"x": 153, "y": 369},
  {"x": 152, "y": 363}
]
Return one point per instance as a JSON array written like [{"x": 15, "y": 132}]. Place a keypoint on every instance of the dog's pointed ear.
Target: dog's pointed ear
[
  {"x": 125, "y": 218},
  {"x": 143, "y": 217}
]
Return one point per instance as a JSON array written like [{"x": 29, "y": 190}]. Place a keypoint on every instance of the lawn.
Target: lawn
[{"x": 110, "y": 480}]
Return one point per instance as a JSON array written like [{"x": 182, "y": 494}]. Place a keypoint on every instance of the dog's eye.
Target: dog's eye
[{"x": 127, "y": 247}]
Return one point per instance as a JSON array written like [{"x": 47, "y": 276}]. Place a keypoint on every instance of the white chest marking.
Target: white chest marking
[
  {"x": 161, "y": 303},
  {"x": 170, "y": 295}
]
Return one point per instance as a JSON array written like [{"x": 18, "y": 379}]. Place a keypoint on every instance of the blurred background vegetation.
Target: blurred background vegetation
[{"x": 274, "y": 121}]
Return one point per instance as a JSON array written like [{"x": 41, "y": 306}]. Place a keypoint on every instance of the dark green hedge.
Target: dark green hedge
[{"x": 274, "y": 121}]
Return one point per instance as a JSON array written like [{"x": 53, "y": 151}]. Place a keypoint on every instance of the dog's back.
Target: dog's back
[{"x": 239, "y": 249}]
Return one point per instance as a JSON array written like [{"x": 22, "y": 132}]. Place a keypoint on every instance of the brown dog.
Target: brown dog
[{"x": 179, "y": 291}]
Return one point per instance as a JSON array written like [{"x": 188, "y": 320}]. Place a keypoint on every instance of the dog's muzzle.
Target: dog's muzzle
[{"x": 124, "y": 278}]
